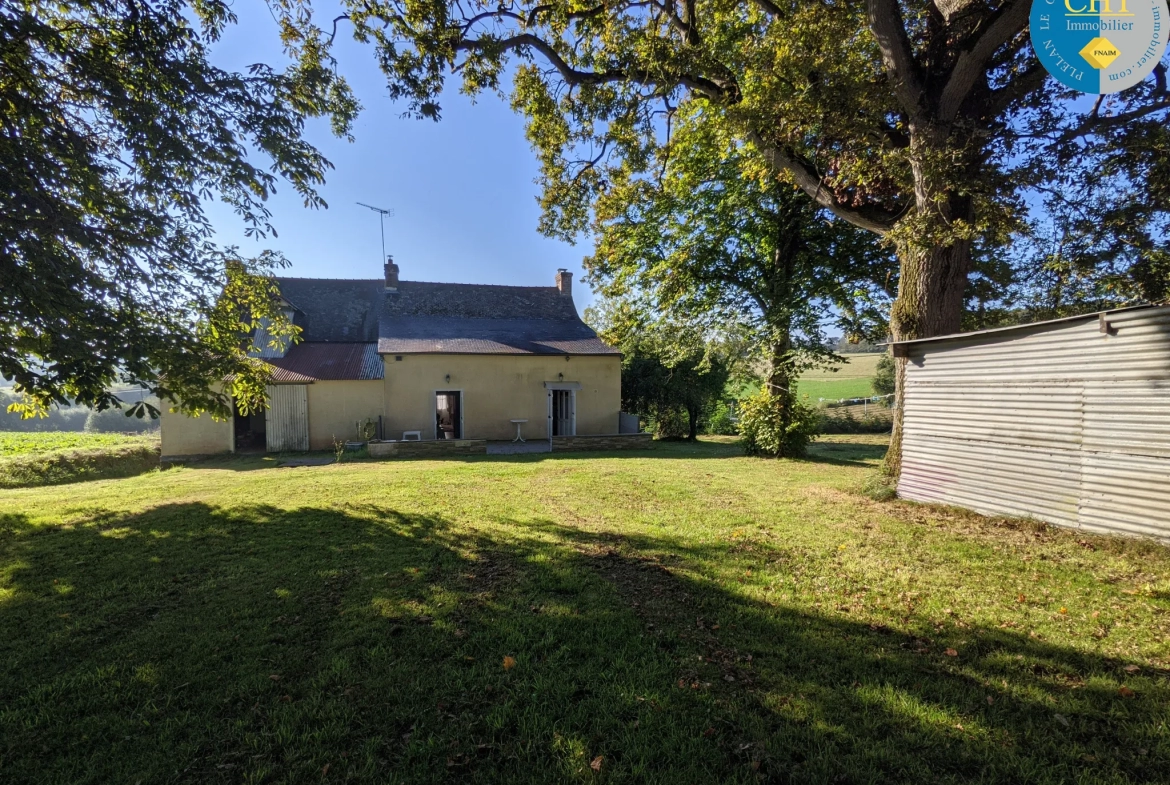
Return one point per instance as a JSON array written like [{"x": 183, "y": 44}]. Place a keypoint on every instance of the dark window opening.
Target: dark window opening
[{"x": 250, "y": 435}]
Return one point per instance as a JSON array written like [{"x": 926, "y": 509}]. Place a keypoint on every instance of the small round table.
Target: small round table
[{"x": 518, "y": 423}]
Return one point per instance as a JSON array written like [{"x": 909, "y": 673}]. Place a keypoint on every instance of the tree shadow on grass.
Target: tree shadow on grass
[
  {"x": 190, "y": 643},
  {"x": 665, "y": 450},
  {"x": 846, "y": 453}
]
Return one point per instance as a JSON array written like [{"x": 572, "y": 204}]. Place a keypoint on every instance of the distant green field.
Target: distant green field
[
  {"x": 834, "y": 388},
  {"x": 33, "y": 443},
  {"x": 858, "y": 366},
  {"x": 850, "y": 380}
]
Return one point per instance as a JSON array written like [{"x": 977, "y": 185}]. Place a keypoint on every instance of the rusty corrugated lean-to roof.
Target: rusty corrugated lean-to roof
[{"x": 327, "y": 361}]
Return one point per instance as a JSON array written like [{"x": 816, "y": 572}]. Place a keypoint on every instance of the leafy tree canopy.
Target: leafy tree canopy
[
  {"x": 116, "y": 128},
  {"x": 709, "y": 234},
  {"x": 672, "y": 372}
]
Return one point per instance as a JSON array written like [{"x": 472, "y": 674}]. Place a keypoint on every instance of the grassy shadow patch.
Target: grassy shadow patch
[{"x": 190, "y": 642}]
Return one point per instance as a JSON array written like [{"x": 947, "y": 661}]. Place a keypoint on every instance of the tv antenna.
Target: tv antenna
[{"x": 382, "y": 216}]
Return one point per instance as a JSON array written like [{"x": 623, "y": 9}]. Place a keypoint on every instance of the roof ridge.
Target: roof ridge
[
  {"x": 345, "y": 280},
  {"x": 433, "y": 283},
  {"x": 575, "y": 315},
  {"x": 334, "y": 343},
  {"x": 483, "y": 285}
]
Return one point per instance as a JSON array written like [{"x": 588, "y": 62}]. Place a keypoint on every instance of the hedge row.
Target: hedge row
[{"x": 55, "y": 468}]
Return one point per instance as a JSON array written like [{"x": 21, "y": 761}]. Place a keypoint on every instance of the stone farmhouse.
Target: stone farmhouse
[{"x": 413, "y": 360}]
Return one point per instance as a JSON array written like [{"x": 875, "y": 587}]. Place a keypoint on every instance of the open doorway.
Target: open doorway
[
  {"x": 249, "y": 430},
  {"x": 449, "y": 414}
]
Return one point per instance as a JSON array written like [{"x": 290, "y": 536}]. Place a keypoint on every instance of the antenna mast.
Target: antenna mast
[{"x": 382, "y": 215}]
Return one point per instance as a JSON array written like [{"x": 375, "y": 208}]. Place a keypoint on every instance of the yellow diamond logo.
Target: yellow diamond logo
[{"x": 1100, "y": 52}]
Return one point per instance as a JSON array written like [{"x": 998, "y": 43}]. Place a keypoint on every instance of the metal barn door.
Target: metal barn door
[{"x": 287, "y": 420}]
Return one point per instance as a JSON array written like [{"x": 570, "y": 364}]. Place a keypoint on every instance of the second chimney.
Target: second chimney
[
  {"x": 391, "y": 275},
  {"x": 565, "y": 282}
]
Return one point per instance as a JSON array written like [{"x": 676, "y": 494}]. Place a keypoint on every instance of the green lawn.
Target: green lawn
[
  {"x": 685, "y": 615},
  {"x": 25, "y": 443}
]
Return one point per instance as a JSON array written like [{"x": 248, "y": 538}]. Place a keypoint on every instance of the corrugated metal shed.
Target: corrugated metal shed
[
  {"x": 1067, "y": 421},
  {"x": 286, "y": 421}
]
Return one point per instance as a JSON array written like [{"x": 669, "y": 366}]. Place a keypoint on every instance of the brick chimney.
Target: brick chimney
[
  {"x": 391, "y": 274},
  {"x": 565, "y": 282}
]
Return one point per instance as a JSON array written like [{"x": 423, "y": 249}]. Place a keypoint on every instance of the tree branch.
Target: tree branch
[
  {"x": 874, "y": 219},
  {"x": 1095, "y": 122},
  {"x": 1003, "y": 25},
  {"x": 768, "y": 7},
  {"x": 1017, "y": 89},
  {"x": 335, "y": 21},
  {"x": 497, "y": 14},
  {"x": 885, "y": 21},
  {"x": 707, "y": 87}
]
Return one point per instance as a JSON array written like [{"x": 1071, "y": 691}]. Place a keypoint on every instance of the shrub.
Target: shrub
[
  {"x": 670, "y": 423},
  {"x": 883, "y": 378},
  {"x": 719, "y": 420},
  {"x": 67, "y": 418},
  {"x": 880, "y": 488},
  {"x": 776, "y": 425}
]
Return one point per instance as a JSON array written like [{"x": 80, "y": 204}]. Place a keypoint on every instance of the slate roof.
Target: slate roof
[
  {"x": 327, "y": 361},
  {"x": 332, "y": 309},
  {"x": 444, "y": 318},
  {"x": 439, "y": 318}
]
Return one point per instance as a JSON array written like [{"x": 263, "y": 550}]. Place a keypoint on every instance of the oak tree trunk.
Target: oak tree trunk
[
  {"x": 934, "y": 257},
  {"x": 929, "y": 303}
]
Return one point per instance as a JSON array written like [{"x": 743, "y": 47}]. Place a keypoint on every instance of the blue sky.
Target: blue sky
[{"x": 462, "y": 189}]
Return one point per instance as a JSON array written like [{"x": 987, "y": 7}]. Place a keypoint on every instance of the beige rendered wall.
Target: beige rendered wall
[
  {"x": 498, "y": 388},
  {"x": 335, "y": 408},
  {"x": 183, "y": 435}
]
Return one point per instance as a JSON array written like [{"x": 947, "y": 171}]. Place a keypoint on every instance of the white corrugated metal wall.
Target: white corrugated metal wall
[
  {"x": 1059, "y": 422},
  {"x": 287, "y": 421}
]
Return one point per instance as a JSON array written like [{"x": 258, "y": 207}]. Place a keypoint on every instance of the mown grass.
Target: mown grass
[
  {"x": 686, "y": 615},
  {"x": 36, "y": 459},
  {"x": 31, "y": 443}
]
